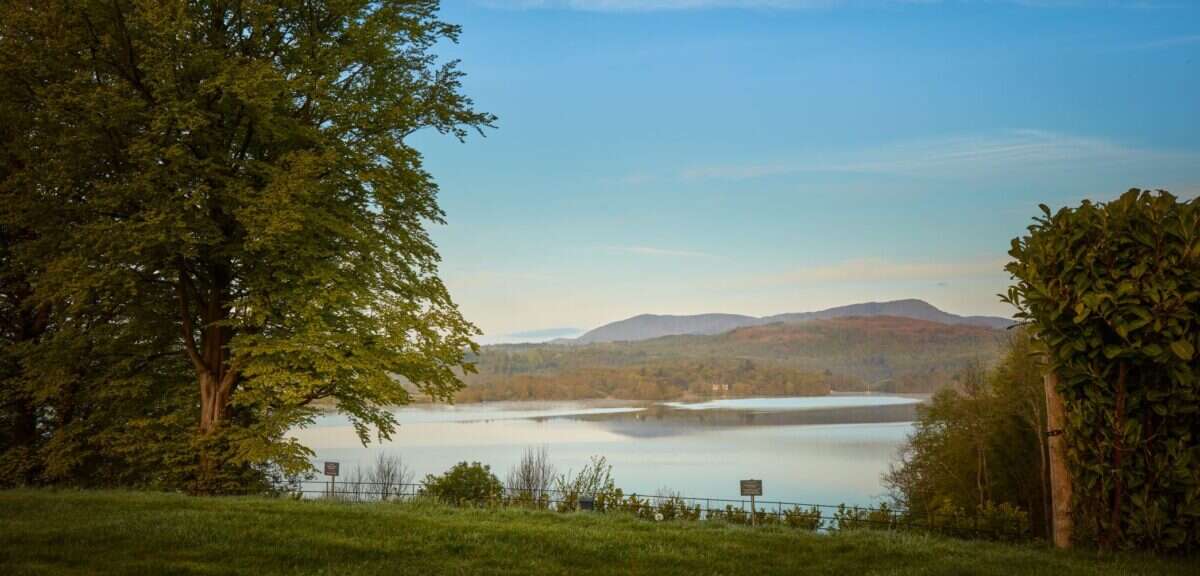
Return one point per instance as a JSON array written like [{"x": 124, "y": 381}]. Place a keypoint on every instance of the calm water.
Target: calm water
[{"x": 819, "y": 450}]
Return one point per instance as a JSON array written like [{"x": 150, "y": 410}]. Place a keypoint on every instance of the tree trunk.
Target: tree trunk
[
  {"x": 216, "y": 372},
  {"x": 24, "y": 438},
  {"x": 1060, "y": 478},
  {"x": 31, "y": 326}
]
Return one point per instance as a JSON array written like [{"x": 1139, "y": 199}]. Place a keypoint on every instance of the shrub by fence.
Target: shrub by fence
[{"x": 468, "y": 485}]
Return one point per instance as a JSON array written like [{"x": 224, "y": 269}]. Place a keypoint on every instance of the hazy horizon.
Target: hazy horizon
[
  {"x": 548, "y": 334},
  {"x": 767, "y": 157}
]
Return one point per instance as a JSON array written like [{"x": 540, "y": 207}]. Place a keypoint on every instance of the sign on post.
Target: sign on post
[
  {"x": 331, "y": 470},
  {"x": 752, "y": 488}
]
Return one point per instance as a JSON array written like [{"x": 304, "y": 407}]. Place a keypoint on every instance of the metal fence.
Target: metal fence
[{"x": 816, "y": 517}]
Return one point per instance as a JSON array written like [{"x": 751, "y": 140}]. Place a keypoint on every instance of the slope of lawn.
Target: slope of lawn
[{"x": 69, "y": 532}]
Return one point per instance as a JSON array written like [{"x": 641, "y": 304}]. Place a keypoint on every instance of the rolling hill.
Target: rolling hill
[
  {"x": 648, "y": 326},
  {"x": 878, "y": 353}
]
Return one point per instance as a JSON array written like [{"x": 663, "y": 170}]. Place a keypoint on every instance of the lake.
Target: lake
[{"x": 820, "y": 450}]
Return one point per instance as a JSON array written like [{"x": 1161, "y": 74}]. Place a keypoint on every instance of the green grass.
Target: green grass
[{"x": 68, "y": 532}]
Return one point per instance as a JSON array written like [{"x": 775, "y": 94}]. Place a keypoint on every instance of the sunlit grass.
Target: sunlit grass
[{"x": 65, "y": 532}]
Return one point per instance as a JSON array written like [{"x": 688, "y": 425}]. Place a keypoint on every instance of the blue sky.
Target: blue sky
[{"x": 768, "y": 156}]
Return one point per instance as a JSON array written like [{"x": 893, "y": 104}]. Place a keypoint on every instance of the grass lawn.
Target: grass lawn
[{"x": 68, "y": 532}]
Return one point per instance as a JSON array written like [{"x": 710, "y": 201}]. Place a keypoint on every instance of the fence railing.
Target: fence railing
[{"x": 817, "y": 517}]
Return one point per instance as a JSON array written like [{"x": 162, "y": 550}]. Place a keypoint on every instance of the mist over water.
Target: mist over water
[{"x": 821, "y": 450}]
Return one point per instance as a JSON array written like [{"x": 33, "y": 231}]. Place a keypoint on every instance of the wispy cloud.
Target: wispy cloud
[
  {"x": 681, "y": 5},
  {"x": 546, "y": 333},
  {"x": 464, "y": 279},
  {"x": 1162, "y": 43},
  {"x": 657, "y": 5},
  {"x": 879, "y": 270},
  {"x": 664, "y": 252},
  {"x": 949, "y": 157}
]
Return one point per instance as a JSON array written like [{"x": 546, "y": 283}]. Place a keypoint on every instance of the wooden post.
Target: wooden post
[
  {"x": 753, "y": 520},
  {"x": 1060, "y": 478}
]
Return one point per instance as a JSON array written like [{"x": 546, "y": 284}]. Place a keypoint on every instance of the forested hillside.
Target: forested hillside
[
  {"x": 844, "y": 354},
  {"x": 647, "y": 326}
]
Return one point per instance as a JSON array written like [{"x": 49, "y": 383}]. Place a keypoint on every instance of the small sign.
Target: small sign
[
  {"x": 331, "y": 468},
  {"x": 751, "y": 487}
]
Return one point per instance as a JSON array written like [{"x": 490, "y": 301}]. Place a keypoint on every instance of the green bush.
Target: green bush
[
  {"x": 1112, "y": 290},
  {"x": 855, "y": 518},
  {"x": 674, "y": 507},
  {"x": 1002, "y": 522},
  {"x": 594, "y": 480},
  {"x": 989, "y": 521},
  {"x": 465, "y": 484},
  {"x": 797, "y": 517},
  {"x": 642, "y": 508},
  {"x": 766, "y": 518},
  {"x": 730, "y": 515},
  {"x": 944, "y": 517}
]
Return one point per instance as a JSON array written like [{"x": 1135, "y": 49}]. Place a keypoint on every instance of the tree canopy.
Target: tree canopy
[
  {"x": 214, "y": 207},
  {"x": 979, "y": 445}
]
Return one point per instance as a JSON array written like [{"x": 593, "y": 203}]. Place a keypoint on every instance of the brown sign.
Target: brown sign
[
  {"x": 331, "y": 468},
  {"x": 751, "y": 487}
]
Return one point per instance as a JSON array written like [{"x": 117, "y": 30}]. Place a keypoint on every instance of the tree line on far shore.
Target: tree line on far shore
[{"x": 668, "y": 379}]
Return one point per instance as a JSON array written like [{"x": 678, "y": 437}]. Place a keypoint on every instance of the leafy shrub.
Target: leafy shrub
[
  {"x": 609, "y": 498},
  {"x": 672, "y": 506},
  {"x": 465, "y": 484},
  {"x": 766, "y": 518},
  {"x": 1113, "y": 292},
  {"x": 989, "y": 521},
  {"x": 594, "y": 480},
  {"x": 642, "y": 508},
  {"x": 856, "y": 518},
  {"x": 1002, "y": 522},
  {"x": 738, "y": 515},
  {"x": 944, "y": 517},
  {"x": 730, "y": 515},
  {"x": 797, "y": 517}
]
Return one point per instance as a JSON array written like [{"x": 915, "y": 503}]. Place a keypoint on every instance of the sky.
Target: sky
[{"x": 771, "y": 156}]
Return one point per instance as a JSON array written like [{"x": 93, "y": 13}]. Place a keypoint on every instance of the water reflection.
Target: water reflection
[
  {"x": 666, "y": 419},
  {"x": 805, "y": 449}
]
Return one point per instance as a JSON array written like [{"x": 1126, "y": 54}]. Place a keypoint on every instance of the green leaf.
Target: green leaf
[{"x": 1183, "y": 349}]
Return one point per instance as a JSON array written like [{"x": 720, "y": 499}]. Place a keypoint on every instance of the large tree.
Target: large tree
[{"x": 245, "y": 162}]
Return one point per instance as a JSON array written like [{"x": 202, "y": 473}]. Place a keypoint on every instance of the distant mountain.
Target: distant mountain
[
  {"x": 910, "y": 308},
  {"x": 853, "y": 353},
  {"x": 647, "y": 326}
]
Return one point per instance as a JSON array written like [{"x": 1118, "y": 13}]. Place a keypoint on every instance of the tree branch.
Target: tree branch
[{"x": 189, "y": 336}]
